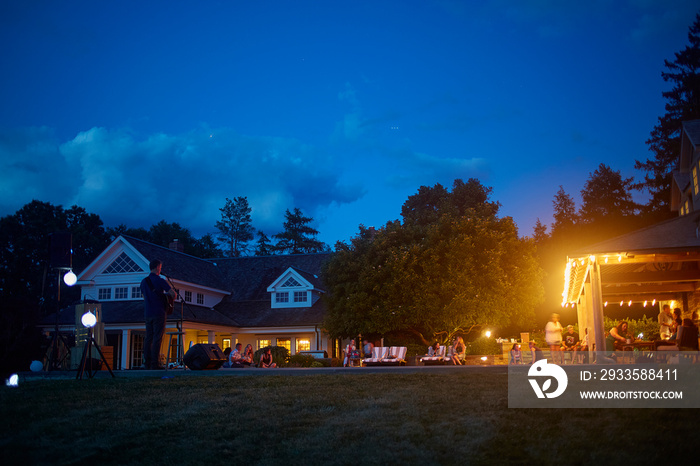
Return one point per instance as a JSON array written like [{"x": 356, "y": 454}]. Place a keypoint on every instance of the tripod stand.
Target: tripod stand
[
  {"x": 87, "y": 353},
  {"x": 58, "y": 354}
]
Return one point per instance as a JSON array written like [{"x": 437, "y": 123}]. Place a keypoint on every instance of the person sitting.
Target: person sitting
[
  {"x": 458, "y": 351},
  {"x": 434, "y": 349},
  {"x": 516, "y": 355},
  {"x": 570, "y": 343},
  {"x": 247, "y": 356},
  {"x": 266, "y": 359},
  {"x": 351, "y": 354},
  {"x": 236, "y": 356},
  {"x": 583, "y": 349},
  {"x": 227, "y": 353},
  {"x": 688, "y": 336},
  {"x": 617, "y": 338},
  {"x": 367, "y": 348},
  {"x": 535, "y": 352}
]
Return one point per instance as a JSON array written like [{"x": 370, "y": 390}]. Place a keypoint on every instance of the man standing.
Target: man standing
[
  {"x": 154, "y": 290},
  {"x": 665, "y": 322},
  {"x": 570, "y": 342}
]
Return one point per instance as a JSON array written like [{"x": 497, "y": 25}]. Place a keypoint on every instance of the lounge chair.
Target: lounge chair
[{"x": 434, "y": 359}]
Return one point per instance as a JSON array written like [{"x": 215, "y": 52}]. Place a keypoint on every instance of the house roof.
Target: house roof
[
  {"x": 670, "y": 236},
  {"x": 248, "y": 277},
  {"x": 180, "y": 266},
  {"x": 692, "y": 130}
]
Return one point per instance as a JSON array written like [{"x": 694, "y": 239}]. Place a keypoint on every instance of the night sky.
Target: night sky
[{"x": 142, "y": 111}]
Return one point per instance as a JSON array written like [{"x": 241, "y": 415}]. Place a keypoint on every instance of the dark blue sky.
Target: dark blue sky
[{"x": 142, "y": 111}]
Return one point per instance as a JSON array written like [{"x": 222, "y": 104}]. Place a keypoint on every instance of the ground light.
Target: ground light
[{"x": 13, "y": 381}]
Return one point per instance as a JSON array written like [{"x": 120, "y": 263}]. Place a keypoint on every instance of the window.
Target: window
[
  {"x": 300, "y": 296},
  {"x": 203, "y": 340},
  {"x": 200, "y": 298},
  {"x": 137, "y": 349},
  {"x": 285, "y": 343},
  {"x": 303, "y": 344},
  {"x": 136, "y": 292},
  {"x": 226, "y": 343},
  {"x": 121, "y": 292},
  {"x": 188, "y": 296},
  {"x": 282, "y": 297},
  {"x": 695, "y": 180},
  {"x": 123, "y": 264},
  {"x": 290, "y": 283},
  {"x": 263, "y": 343},
  {"x": 104, "y": 294}
]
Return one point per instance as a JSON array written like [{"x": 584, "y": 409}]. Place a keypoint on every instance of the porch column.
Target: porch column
[
  {"x": 211, "y": 337},
  {"x": 126, "y": 349},
  {"x": 597, "y": 308}
]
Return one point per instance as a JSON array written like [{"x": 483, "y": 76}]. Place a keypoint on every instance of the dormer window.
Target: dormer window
[{"x": 293, "y": 289}]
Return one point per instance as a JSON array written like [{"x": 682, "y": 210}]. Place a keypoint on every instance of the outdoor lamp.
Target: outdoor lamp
[
  {"x": 70, "y": 279},
  {"x": 488, "y": 334},
  {"x": 89, "y": 320}
]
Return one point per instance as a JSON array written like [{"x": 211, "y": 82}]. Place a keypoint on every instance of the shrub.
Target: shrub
[
  {"x": 280, "y": 355},
  {"x": 484, "y": 346},
  {"x": 301, "y": 360}
]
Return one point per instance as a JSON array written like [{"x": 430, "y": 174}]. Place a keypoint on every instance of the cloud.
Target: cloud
[{"x": 179, "y": 178}]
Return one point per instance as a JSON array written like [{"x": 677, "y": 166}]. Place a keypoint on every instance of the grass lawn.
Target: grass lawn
[{"x": 321, "y": 419}]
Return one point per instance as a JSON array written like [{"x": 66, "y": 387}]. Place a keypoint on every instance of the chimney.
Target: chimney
[{"x": 175, "y": 245}]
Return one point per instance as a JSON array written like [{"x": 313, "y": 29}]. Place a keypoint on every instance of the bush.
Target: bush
[
  {"x": 483, "y": 346},
  {"x": 301, "y": 360},
  {"x": 280, "y": 355}
]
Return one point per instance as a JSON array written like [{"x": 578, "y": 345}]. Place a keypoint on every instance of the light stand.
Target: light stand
[
  {"x": 89, "y": 320},
  {"x": 54, "y": 362}
]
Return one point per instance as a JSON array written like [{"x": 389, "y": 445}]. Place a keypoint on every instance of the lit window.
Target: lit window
[
  {"x": 121, "y": 292},
  {"x": 136, "y": 292},
  {"x": 695, "y": 180},
  {"x": 226, "y": 343},
  {"x": 282, "y": 297},
  {"x": 300, "y": 296},
  {"x": 188, "y": 296},
  {"x": 104, "y": 293},
  {"x": 200, "y": 298},
  {"x": 264, "y": 343},
  {"x": 303, "y": 344},
  {"x": 285, "y": 343},
  {"x": 203, "y": 340}
]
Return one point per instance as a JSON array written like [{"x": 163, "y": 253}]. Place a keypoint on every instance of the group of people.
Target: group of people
[
  {"x": 457, "y": 356},
  {"x": 237, "y": 358},
  {"x": 560, "y": 342}
]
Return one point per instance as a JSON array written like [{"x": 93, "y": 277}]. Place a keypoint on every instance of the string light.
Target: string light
[
  {"x": 606, "y": 304},
  {"x": 630, "y": 303}
]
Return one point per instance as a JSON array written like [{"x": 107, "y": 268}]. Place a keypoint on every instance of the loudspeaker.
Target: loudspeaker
[
  {"x": 204, "y": 356},
  {"x": 61, "y": 250}
]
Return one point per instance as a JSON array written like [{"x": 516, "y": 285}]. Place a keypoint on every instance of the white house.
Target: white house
[{"x": 265, "y": 300}]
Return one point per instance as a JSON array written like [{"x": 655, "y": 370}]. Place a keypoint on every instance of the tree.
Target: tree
[
  {"x": 467, "y": 268},
  {"x": 27, "y": 284},
  {"x": 205, "y": 247},
  {"x": 683, "y": 104},
  {"x": 264, "y": 246},
  {"x": 539, "y": 232},
  {"x": 564, "y": 212},
  {"x": 235, "y": 227},
  {"x": 298, "y": 237},
  {"x": 606, "y": 196}
]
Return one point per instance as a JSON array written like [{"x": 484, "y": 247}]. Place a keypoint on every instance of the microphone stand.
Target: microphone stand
[{"x": 179, "y": 324}]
